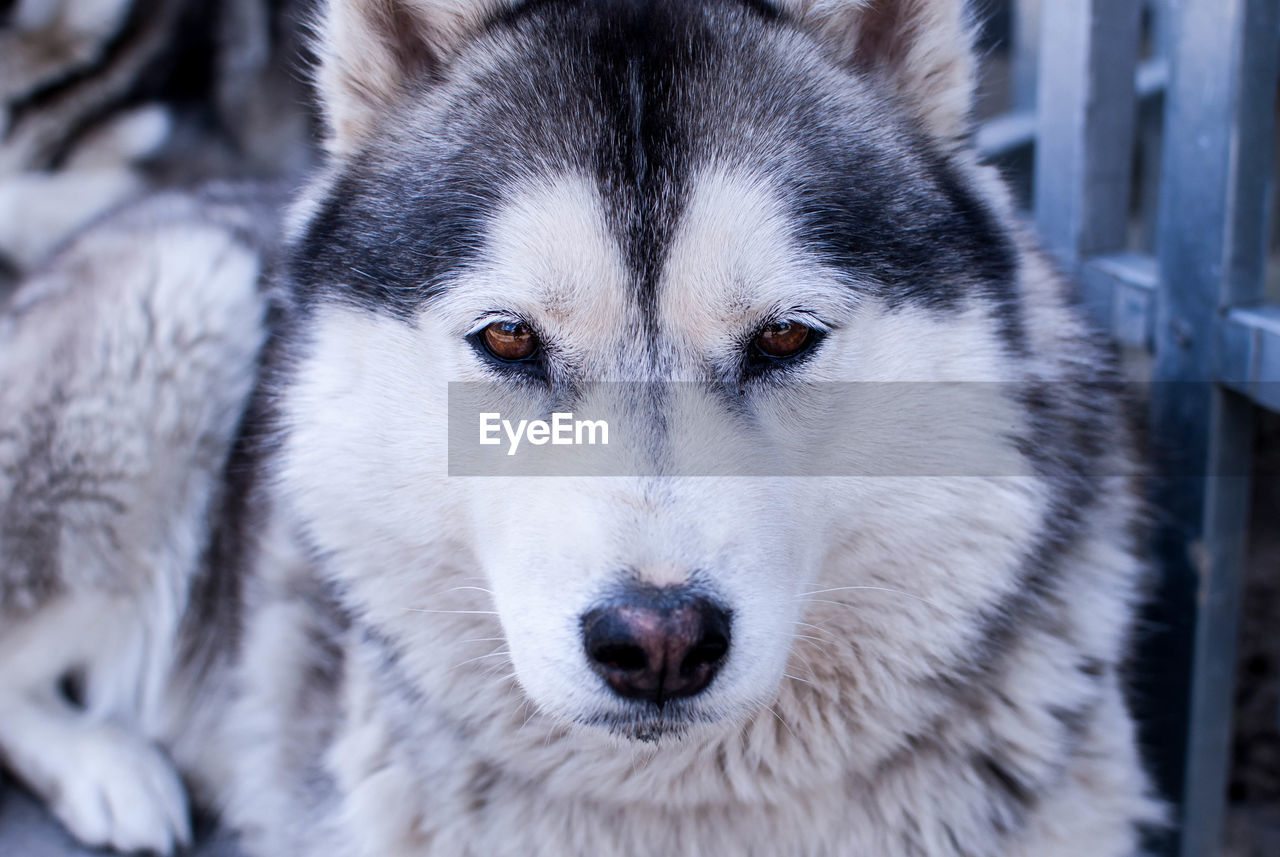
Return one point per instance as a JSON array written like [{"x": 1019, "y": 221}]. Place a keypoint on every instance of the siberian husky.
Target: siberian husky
[
  {"x": 853, "y": 576},
  {"x": 102, "y": 101}
]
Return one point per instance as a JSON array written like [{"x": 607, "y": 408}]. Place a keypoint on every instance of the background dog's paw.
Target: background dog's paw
[{"x": 123, "y": 793}]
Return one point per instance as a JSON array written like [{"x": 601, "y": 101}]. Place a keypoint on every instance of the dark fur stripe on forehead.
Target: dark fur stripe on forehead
[
  {"x": 906, "y": 222},
  {"x": 641, "y": 96},
  {"x": 635, "y": 9},
  {"x": 632, "y": 61},
  {"x": 588, "y": 90},
  {"x": 385, "y": 237}
]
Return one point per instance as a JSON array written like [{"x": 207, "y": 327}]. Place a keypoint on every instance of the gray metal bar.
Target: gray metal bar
[
  {"x": 1120, "y": 296},
  {"x": 1006, "y": 133},
  {"x": 1153, "y": 74},
  {"x": 1150, "y": 148},
  {"x": 1249, "y": 354},
  {"x": 1084, "y": 145},
  {"x": 1017, "y": 128},
  {"x": 1120, "y": 293},
  {"x": 1161, "y": 37},
  {"x": 1211, "y": 245},
  {"x": 1152, "y": 77},
  {"x": 1025, "y": 53}
]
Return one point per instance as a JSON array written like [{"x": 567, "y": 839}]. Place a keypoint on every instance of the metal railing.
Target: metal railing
[{"x": 1195, "y": 303}]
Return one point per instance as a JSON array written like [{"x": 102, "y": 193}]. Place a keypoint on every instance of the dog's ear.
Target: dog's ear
[
  {"x": 924, "y": 48},
  {"x": 370, "y": 50}
]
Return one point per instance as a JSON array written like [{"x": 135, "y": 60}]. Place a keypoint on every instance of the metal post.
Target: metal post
[
  {"x": 1151, "y": 123},
  {"x": 1084, "y": 142},
  {"x": 1211, "y": 243},
  {"x": 1025, "y": 53}
]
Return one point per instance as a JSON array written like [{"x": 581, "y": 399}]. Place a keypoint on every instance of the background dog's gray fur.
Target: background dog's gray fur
[{"x": 102, "y": 101}]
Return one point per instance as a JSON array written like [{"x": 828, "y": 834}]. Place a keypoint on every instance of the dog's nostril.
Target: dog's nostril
[
  {"x": 712, "y": 648},
  {"x": 620, "y": 656},
  {"x": 657, "y": 644}
]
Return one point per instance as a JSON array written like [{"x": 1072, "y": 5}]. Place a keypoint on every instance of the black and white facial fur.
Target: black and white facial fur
[{"x": 899, "y": 664}]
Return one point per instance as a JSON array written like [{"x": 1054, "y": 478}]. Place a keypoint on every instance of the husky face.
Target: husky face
[{"x": 702, "y": 206}]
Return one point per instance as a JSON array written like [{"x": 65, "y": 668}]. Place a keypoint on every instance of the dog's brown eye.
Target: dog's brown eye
[
  {"x": 784, "y": 338},
  {"x": 510, "y": 340}
]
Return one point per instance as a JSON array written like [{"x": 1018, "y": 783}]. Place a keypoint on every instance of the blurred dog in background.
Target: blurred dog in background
[{"x": 104, "y": 100}]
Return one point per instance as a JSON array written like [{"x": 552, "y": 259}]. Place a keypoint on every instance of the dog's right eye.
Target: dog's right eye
[
  {"x": 509, "y": 341},
  {"x": 783, "y": 339}
]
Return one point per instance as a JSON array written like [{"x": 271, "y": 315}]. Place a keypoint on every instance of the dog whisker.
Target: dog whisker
[
  {"x": 504, "y": 653},
  {"x": 903, "y": 593},
  {"x": 784, "y": 723},
  {"x": 469, "y": 589},
  {"x": 492, "y": 672},
  {"x": 816, "y": 642},
  {"x": 464, "y": 612},
  {"x": 507, "y": 701},
  {"x": 820, "y": 629}
]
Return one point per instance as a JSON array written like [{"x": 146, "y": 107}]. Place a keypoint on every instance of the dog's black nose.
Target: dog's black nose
[{"x": 657, "y": 644}]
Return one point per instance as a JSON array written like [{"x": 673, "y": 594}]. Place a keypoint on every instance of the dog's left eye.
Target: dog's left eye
[
  {"x": 783, "y": 339},
  {"x": 510, "y": 341}
]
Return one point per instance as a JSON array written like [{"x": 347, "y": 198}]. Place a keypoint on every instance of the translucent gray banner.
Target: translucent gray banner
[{"x": 873, "y": 429}]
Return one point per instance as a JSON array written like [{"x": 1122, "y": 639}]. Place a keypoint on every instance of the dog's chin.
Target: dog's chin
[{"x": 651, "y": 725}]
